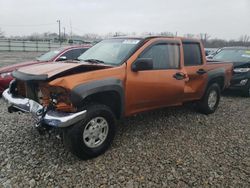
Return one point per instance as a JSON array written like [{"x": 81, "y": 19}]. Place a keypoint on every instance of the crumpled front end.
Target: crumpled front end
[{"x": 49, "y": 106}]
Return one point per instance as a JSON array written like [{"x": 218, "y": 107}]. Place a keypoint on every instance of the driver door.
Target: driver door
[{"x": 159, "y": 87}]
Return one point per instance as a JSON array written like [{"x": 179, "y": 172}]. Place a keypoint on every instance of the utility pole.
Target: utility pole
[
  {"x": 70, "y": 29},
  {"x": 64, "y": 34},
  {"x": 59, "y": 30}
]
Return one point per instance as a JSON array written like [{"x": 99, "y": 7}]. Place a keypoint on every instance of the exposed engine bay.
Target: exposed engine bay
[{"x": 57, "y": 98}]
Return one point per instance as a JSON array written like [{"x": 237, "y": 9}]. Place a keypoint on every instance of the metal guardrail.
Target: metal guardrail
[{"x": 27, "y": 46}]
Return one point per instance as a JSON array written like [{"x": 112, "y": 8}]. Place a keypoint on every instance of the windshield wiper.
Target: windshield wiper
[{"x": 94, "y": 61}]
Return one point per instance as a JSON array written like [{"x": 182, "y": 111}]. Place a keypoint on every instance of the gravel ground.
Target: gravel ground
[
  {"x": 7, "y": 58},
  {"x": 173, "y": 147}
]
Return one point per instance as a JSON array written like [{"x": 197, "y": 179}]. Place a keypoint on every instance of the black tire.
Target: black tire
[
  {"x": 246, "y": 90},
  {"x": 73, "y": 136},
  {"x": 204, "y": 106}
]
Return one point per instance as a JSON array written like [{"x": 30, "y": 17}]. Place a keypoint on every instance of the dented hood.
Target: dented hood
[
  {"x": 13, "y": 67},
  {"x": 54, "y": 70}
]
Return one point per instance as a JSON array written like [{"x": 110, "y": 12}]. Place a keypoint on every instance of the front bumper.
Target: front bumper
[
  {"x": 240, "y": 81},
  {"x": 51, "y": 117}
]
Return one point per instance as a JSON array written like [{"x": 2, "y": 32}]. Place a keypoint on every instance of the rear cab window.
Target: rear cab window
[{"x": 192, "y": 54}]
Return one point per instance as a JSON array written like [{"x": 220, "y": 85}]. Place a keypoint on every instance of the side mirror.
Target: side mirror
[
  {"x": 142, "y": 64},
  {"x": 62, "y": 58}
]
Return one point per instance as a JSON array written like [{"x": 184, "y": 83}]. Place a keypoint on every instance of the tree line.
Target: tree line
[{"x": 206, "y": 39}]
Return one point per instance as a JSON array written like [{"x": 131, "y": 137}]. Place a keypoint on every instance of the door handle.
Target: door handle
[
  {"x": 180, "y": 76},
  {"x": 201, "y": 71}
]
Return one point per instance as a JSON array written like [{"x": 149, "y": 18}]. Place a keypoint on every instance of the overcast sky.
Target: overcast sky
[{"x": 227, "y": 19}]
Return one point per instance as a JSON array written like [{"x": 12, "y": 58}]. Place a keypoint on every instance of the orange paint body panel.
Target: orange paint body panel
[
  {"x": 51, "y": 69},
  {"x": 72, "y": 81},
  {"x": 147, "y": 90}
]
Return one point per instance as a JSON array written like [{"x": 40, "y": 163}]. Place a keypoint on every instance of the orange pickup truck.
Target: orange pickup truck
[{"x": 115, "y": 78}]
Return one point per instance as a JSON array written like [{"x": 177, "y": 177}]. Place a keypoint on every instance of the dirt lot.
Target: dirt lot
[{"x": 174, "y": 147}]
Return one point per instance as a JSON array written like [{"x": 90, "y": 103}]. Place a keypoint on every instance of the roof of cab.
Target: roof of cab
[{"x": 183, "y": 39}]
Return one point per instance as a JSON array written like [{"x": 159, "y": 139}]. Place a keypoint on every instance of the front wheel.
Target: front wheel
[
  {"x": 210, "y": 101},
  {"x": 93, "y": 135}
]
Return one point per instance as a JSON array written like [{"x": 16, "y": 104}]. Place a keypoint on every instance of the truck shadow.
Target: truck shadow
[
  {"x": 232, "y": 93},
  {"x": 156, "y": 120}
]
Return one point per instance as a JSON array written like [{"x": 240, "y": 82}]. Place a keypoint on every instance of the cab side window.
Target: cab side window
[
  {"x": 192, "y": 54},
  {"x": 164, "y": 56}
]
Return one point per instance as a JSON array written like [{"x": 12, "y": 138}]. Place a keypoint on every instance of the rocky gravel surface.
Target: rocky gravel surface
[
  {"x": 173, "y": 147},
  {"x": 7, "y": 58}
]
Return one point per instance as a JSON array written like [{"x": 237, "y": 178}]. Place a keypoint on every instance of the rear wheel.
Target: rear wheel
[
  {"x": 210, "y": 101},
  {"x": 93, "y": 135}
]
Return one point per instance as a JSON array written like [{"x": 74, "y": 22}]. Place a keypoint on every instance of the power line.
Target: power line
[
  {"x": 79, "y": 30},
  {"x": 35, "y": 25}
]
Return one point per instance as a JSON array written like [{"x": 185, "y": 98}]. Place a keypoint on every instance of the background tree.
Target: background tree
[
  {"x": 167, "y": 33},
  {"x": 245, "y": 38},
  {"x": 204, "y": 38},
  {"x": 189, "y": 35},
  {"x": 1, "y": 33}
]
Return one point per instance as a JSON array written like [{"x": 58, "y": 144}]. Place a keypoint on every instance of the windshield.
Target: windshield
[
  {"x": 111, "y": 51},
  {"x": 49, "y": 55},
  {"x": 234, "y": 55}
]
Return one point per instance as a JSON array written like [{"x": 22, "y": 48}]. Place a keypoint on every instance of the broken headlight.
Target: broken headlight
[{"x": 57, "y": 97}]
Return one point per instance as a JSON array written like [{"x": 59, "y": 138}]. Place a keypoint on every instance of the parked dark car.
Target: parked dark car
[
  {"x": 240, "y": 57},
  {"x": 61, "y": 54}
]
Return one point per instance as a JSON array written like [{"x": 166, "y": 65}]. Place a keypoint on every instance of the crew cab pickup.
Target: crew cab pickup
[{"x": 117, "y": 77}]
